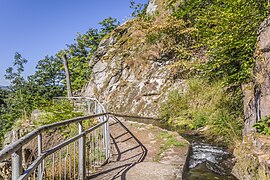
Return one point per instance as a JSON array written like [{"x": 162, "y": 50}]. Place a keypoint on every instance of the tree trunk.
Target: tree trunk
[{"x": 65, "y": 62}]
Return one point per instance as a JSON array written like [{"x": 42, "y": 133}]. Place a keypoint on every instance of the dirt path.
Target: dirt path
[{"x": 141, "y": 151}]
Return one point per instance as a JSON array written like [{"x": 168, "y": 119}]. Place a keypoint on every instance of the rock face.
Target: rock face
[
  {"x": 257, "y": 93},
  {"x": 252, "y": 156},
  {"x": 125, "y": 89},
  {"x": 5, "y": 170},
  {"x": 151, "y": 8},
  {"x": 129, "y": 75}
]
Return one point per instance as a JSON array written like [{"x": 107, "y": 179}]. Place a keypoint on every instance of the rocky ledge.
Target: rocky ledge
[{"x": 253, "y": 158}]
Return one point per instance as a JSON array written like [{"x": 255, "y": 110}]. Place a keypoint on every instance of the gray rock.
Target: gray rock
[
  {"x": 124, "y": 85},
  {"x": 257, "y": 94},
  {"x": 36, "y": 114},
  {"x": 151, "y": 8},
  {"x": 252, "y": 156}
]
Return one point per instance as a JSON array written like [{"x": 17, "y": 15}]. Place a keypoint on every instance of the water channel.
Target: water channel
[{"x": 208, "y": 162}]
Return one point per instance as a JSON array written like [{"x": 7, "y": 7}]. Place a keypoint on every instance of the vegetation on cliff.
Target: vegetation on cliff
[
  {"x": 227, "y": 34},
  {"x": 228, "y": 31},
  {"x": 205, "y": 104}
]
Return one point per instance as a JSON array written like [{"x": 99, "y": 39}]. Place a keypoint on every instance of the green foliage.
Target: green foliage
[
  {"x": 56, "y": 112},
  {"x": 80, "y": 52},
  {"x": 24, "y": 96},
  {"x": 263, "y": 126},
  {"x": 139, "y": 10},
  {"x": 3, "y": 96},
  {"x": 170, "y": 141},
  {"x": 107, "y": 25},
  {"x": 173, "y": 33},
  {"x": 16, "y": 78},
  {"x": 176, "y": 41},
  {"x": 47, "y": 82},
  {"x": 38, "y": 90},
  {"x": 228, "y": 30},
  {"x": 204, "y": 104},
  {"x": 13, "y": 104}
]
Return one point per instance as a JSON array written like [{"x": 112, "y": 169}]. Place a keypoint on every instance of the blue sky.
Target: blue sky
[{"x": 36, "y": 28}]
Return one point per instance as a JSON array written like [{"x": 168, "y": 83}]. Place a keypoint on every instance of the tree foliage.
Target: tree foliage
[
  {"x": 228, "y": 30},
  {"x": 48, "y": 81},
  {"x": 80, "y": 52},
  {"x": 263, "y": 126},
  {"x": 139, "y": 10},
  {"x": 15, "y": 77},
  {"x": 107, "y": 25}
]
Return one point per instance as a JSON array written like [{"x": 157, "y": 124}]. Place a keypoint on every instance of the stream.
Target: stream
[{"x": 208, "y": 162}]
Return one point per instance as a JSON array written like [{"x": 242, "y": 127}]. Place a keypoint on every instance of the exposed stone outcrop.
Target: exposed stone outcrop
[
  {"x": 129, "y": 75},
  {"x": 151, "y": 8},
  {"x": 5, "y": 170},
  {"x": 253, "y": 157},
  {"x": 257, "y": 93}
]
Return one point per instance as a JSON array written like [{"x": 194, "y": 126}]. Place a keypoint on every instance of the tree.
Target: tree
[
  {"x": 16, "y": 96},
  {"x": 13, "y": 101},
  {"x": 16, "y": 78},
  {"x": 108, "y": 25},
  {"x": 65, "y": 63},
  {"x": 47, "y": 82},
  {"x": 139, "y": 10},
  {"x": 79, "y": 53},
  {"x": 3, "y": 96}
]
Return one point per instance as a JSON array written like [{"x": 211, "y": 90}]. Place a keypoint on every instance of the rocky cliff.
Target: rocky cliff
[
  {"x": 253, "y": 158},
  {"x": 128, "y": 74},
  {"x": 257, "y": 93}
]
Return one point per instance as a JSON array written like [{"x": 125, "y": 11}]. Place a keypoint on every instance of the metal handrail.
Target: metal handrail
[
  {"x": 10, "y": 149},
  {"x": 15, "y": 149},
  {"x": 27, "y": 138},
  {"x": 38, "y": 161}
]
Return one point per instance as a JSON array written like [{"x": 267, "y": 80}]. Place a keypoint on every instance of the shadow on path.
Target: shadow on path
[{"x": 127, "y": 150}]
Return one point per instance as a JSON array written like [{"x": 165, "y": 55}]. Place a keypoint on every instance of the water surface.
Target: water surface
[{"x": 208, "y": 162}]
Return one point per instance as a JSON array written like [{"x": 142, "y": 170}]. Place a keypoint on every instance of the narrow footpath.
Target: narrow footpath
[{"x": 141, "y": 151}]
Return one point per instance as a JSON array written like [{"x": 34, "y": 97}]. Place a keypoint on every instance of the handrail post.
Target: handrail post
[
  {"x": 88, "y": 107},
  {"x": 107, "y": 137},
  {"x": 40, "y": 167},
  {"x": 17, "y": 164},
  {"x": 82, "y": 154},
  {"x": 16, "y": 160}
]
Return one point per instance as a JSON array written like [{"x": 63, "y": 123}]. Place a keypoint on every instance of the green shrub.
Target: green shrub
[
  {"x": 263, "y": 126},
  {"x": 203, "y": 104},
  {"x": 228, "y": 30},
  {"x": 170, "y": 141},
  {"x": 59, "y": 111}
]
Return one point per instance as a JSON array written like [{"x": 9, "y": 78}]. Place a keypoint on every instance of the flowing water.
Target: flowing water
[{"x": 208, "y": 162}]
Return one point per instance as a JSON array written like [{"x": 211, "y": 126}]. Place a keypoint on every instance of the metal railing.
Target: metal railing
[{"x": 84, "y": 149}]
